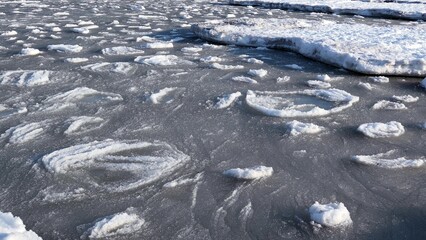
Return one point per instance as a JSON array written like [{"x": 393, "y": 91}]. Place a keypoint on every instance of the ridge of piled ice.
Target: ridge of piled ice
[
  {"x": 118, "y": 224},
  {"x": 249, "y": 173},
  {"x": 330, "y": 215},
  {"x": 370, "y": 49},
  {"x": 139, "y": 162},
  {"x": 401, "y": 10},
  {"x": 65, "y": 48},
  {"x": 226, "y": 100},
  {"x": 296, "y": 128},
  {"x": 384, "y": 160},
  {"x": 25, "y": 78},
  {"x": 280, "y": 104},
  {"x": 226, "y": 67},
  {"x": 13, "y": 228},
  {"x": 382, "y": 130}
]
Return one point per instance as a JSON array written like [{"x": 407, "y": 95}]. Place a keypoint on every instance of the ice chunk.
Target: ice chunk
[
  {"x": 76, "y": 60},
  {"x": 366, "y": 86},
  {"x": 318, "y": 84},
  {"x": 132, "y": 163},
  {"x": 10, "y": 33},
  {"x": 65, "y": 48},
  {"x": 226, "y": 100},
  {"x": 156, "y": 98},
  {"x": 254, "y": 60},
  {"x": 317, "y": 102},
  {"x": 258, "y": 72},
  {"x": 121, "y": 50},
  {"x": 82, "y": 124},
  {"x": 385, "y": 160},
  {"x": 159, "y": 45},
  {"x": 13, "y": 228},
  {"x": 365, "y": 48},
  {"x": 115, "y": 225},
  {"x": 379, "y": 79},
  {"x": 405, "y": 98},
  {"x": 24, "y": 78},
  {"x": 330, "y": 215},
  {"x": 388, "y": 105},
  {"x": 296, "y": 128},
  {"x": 226, "y": 67},
  {"x": 29, "y": 52},
  {"x": 382, "y": 130},
  {"x": 162, "y": 60},
  {"x": 191, "y": 49},
  {"x": 423, "y": 83},
  {"x": 283, "y": 79},
  {"x": 25, "y": 132},
  {"x": 249, "y": 173},
  {"x": 117, "y": 67},
  {"x": 211, "y": 59},
  {"x": 386, "y": 9},
  {"x": 244, "y": 79},
  {"x": 294, "y": 66},
  {"x": 82, "y": 30}
]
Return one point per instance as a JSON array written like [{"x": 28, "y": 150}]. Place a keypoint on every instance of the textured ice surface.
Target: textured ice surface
[
  {"x": 304, "y": 103},
  {"x": 121, "y": 50},
  {"x": 116, "y": 67},
  {"x": 12, "y": 228},
  {"x": 143, "y": 162},
  {"x": 330, "y": 215},
  {"x": 388, "y": 105},
  {"x": 296, "y": 128},
  {"x": 82, "y": 124},
  {"x": 162, "y": 60},
  {"x": 249, "y": 173},
  {"x": 29, "y": 52},
  {"x": 397, "y": 9},
  {"x": 157, "y": 97},
  {"x": 24, "y": 78},
  {"x": 65, "y": 48},
  {"x": 382, "y": 130},
  {"x": 226, "y": 100},
  {"x": 385, "y": 160},
  {"x": 25, "y": 132},
  {"x": 244, "y": 79},
  {"x": 112, "y": 226},
  {"x": 370, "y": 49},
  {"x": 405, "y": 98}
]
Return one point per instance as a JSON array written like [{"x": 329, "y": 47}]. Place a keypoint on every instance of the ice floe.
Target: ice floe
[
  {"x": 115, "y": 225},
  {"x": 9, "y": 33},
  {"x": 29, "y": 52},
  {"x": 315, "y": 102},
  {"x": 226, "y": 67},
  {"x": 405, "y": 98},
  {"x": 78, "y": 96},
  {"x": 25, "y": 78},
  {"x": 244, "y": 79},
  {"x": 82, "y": 124},
  {"x": 388, "y": 105},
  {"x": 257, "y": 72},
  {"x": 249, "y": 173},
  {"x": 13, "y": 228},
  {"x": 162, "y": 60},
  {"x": 385, "y": 160},
  {"x": 116, "y": 67},
  {"x": 65, "y": 48},
  {"x": 121, "y": 50},
  {"x": 330, "y": 215},
  {"x": 387, "y": 9},
  {"x": 365, "y": 48},
  {"x": 24, "y": 132},
  {"x": 157, "y": 97},
  {"x": 382, "y": 130},
  {"x": 76, "y": 60},
  {"x": 318, "y": 84},
  {"x": 159, "y": 45},
  {"x": 379, "y": 79},
  {"x": 138, "y": 163},
  {"x": 296, "y": 128},
  {"x": 226, "y": 100}
]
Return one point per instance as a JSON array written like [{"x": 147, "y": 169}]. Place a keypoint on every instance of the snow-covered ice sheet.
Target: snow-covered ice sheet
[
  {"x": 386, "y": 160},
  {"x": 330, "y": 215},
  {"x": 13, "y": 228},
  {"x": 382, "y": 130},
  {"x": 316, "y": 102},
  {"x": 369, "y": 49},
  {"x": 386, "y": 9},
  {"x": 144, "y": 162},
  {"x": 249, "y": 173}
]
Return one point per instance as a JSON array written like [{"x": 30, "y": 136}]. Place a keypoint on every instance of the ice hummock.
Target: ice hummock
[
  {"x": 115, "y": 225},
  {"x": 385, "y": 160},
  {"x": 382, "y": 130},
  {"x": 330, "y": 215},
  {"x": 139, "y": 163},
  {"x": 13, "y": 228},
  {"x": 249, "y": 173},
  {"x": 364, "y": 48},
  {"x": 384, "y": 9},
  {"x": 315, "y": 102}
]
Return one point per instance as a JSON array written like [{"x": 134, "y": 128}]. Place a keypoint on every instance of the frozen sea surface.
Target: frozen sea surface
[{"x": 118, "y": 122}]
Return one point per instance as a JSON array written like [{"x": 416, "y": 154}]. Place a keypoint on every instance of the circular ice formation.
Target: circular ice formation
[
  {"x": 330, "y": 215},
  {"x": 300, "y": 103},
  {"x": 382, "y": 130},
  {"x": 115, "y": 165},
  {"x": 249, "y": 173}
]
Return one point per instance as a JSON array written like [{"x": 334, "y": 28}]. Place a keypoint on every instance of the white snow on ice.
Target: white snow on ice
[
  {"x": 226, "y": 100},
  {"x": 65, "y": 48},
  {"x": 330, "y": 215},
  {"x": 296, "y": 128},
  {"x": 249, "y": 173}
]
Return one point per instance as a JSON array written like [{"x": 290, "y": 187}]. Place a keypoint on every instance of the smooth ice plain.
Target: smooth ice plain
[{"x": 123, "y": 119}]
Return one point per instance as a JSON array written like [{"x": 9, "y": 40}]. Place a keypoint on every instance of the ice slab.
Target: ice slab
[
  {"x": 83, "y": 124},
  {"x": 370, "y": 49},
  {"x": 113, "y": 226},
  {"x": 384, "y": 9},
  {"x": 121, "y": 50},
  {"x": 65, "y": 48},
  {"x": 382, "y": 130},
  {"x": 304, "y": 103},
  {"x": 296, "y": 128},
  {"x": 385, "y": 160},
  {"x": 116, "y": 67},
  {"x": 249, "y": 173},
  {"x": 226, "y": 100},
  {"x": 25, "y": 132},
  {"x": 132, "y": 163},
  {"x": 25, "y": 78},
  {"x": 330, "y": 215},
  {"x": 13, "y": 228},
  {"x": 162, "y": 60},
  {"x": 29, "y": 52},
  {"x": 6, "y": 111},
  {"x": 388, "y": 105}
]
